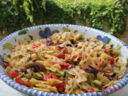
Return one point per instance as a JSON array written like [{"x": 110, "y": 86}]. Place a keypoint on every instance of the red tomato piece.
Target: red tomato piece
[
  {"x": 92, "y": 90},
  {"x": 80, "y": 56},
  {"x": 83, "y": 68},
  {"x": 106, "y": 51},
  {"x": 13, "y": 74},
  {"x": 28, "y": 84},
  {"x": 62, "y": 56},
  {"x": 19, "y": 80},
  {"x": 60, "y": 87},
  {"x": 57, "y": 48},
  {"x": 69, "y": 53},
  {"x": 35, "y": 46},
  {"x": 6, "y": 64},
  {"x": 22, "y": 82},
  {"x": 53, "y": 76},
  {"x": 53, "y": 63},
  {"x": 44, "y": 42},
  {"x": 64, "y": 65},
  {"x": 47, "y": 77},
  {"x": 111, "y": 59}
]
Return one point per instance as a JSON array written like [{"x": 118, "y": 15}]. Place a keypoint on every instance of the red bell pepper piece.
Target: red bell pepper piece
[
  {"x": 53, "y": 63},
  {"x": 64, "y": 65},
  {"x": 13, "y": 74},
  {"x": 35, "y": 46},
  {"x": 53, "y": 76},
  {"x": 83, "y": 68},
  {"x": 6, "y": 64},
  {"x": 58, "y": 48},
  {"x": 62, "y": 56},
  {"x": 80, "y": 56},
  {"x": 111, "y": 59},
  {"x": 22, "y": 82},
  {"x": 92, "y": 90},
  {"x": 106, "y": 51},
  {"x": 44, "y": 42},
  {"x": 49, "y": 76},
  {"x": 69, "y": 53},
  {"x": 60, "y": 87}
]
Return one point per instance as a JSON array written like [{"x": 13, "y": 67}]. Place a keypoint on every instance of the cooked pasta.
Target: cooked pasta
[{"x": 65, "y": 62}]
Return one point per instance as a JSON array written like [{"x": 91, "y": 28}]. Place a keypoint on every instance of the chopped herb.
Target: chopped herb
[
  {"x": 91, "y": 79},
  {"x": 30, "y": 65},
  {"x": 9, "y": 56},
  {"x": 23, "y": 32},
  {"x": 31, "y": 37},
  {"x": 37, "y": 76},
  {"x": 80, "y": 37},
  {"x": 39, "y": 56},
  {"x": 65, "y": 29},
  {"x": 118, "y": 47},
  {"x": 70, "y": 92},
  {"x": 58, "y": 74},
  {"x": 97, "y": 85},
  {"x": 127, "y": 63},
  {"x": 8, "y": 46},
  {"x": 108, "y": 40},
  {"x": 27, "y": 76},
  {"x": 65, "y": 73}
]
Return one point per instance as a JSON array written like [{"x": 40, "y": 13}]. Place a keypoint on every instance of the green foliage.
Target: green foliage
[
  {"x": 95, "y": 13},
  {"x": 17, "y": 14}
]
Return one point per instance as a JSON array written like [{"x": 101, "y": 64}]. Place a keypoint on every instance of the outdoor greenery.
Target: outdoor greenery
[{"x": 17, "y": 14}]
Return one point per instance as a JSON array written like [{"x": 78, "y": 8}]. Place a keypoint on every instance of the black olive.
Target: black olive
[
  {"x": 69, "y": 45},
  {"x": 91, "y": 70},
  {"x": 72, "y": 41},
  {"x": 39, "y": 67},
  {"x": 23, "y": 69}
]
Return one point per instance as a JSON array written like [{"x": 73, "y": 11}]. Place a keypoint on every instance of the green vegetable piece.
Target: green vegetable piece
[
  {"x": 31, "y": 37},
  {"x": 127, "y": 64},
  {"x": 39, "y": 56},
  {"x": 37, "y": 76},
  {"x": 30, "y": 65},
  {"x": 79, "y": 37},
  {"x": 22, "y": 32},
  {"x": 8, "y": 46},
  {"x": 27, "y": 76},
  {"x": 118, "y": 47},
  {"x": 58, "y": 74},
  {"x": 91, "y": 78},
  {"x": 108, "y": 40},
  {"x": 65, "y": 29},
  {"x": 97, "y": 85},
  {"x": 65, "y": 73}
]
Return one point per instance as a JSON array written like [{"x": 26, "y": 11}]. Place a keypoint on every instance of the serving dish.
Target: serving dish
[{"x": 41, "y": 31}]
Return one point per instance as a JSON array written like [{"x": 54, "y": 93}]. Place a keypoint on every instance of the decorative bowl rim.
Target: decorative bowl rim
[{"x": 29, "y": 91}]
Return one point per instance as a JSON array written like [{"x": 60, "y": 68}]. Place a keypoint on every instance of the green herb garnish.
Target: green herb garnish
[
  {"x": 8, "y": 46},
  {"x": 127, "y": 63},
  {"x": 23, "y": 32},
  {"x": 65, "y": 29},
  {"x": 58, "y": 74},
  {"x": 91, "y": 79},
  {"x": 31, "y": 37},
  {"x": 65, "y": 73}
]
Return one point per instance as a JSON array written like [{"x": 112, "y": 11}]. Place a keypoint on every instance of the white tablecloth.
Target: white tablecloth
[{"x": 6, "y": 90}]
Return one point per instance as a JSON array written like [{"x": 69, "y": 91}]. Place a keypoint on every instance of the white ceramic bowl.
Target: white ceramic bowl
[{"x": 40, "y": 31}]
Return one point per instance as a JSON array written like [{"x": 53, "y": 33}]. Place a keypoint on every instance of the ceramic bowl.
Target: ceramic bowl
[{"x": 42, "y": 31}]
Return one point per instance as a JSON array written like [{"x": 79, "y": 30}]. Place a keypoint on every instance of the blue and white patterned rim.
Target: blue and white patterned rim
[{"x": 33, "y": 92}]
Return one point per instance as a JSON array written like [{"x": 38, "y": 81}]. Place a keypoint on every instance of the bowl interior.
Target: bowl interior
[{"x": 38, "y": 32}]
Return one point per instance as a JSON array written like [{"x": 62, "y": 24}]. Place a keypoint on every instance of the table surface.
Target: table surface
[{"x": 6, "y": 90}]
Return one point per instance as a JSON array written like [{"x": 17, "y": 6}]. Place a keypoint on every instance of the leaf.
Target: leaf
[
  {"x": 8, "y": 46},
  {"x": 22, "y": 32},
  {"x": 65, "y": 29}
]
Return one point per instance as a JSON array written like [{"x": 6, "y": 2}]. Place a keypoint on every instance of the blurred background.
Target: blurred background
[{"x": 108, "y": 15}]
